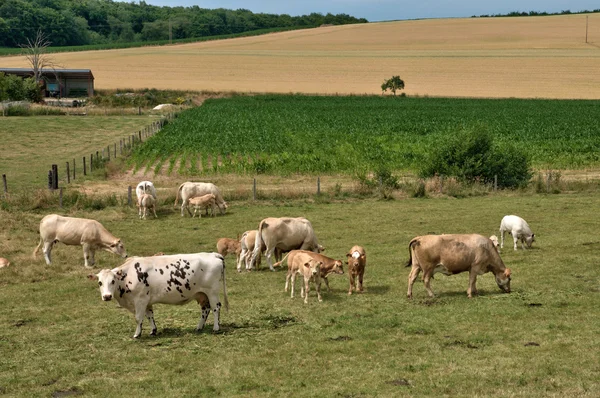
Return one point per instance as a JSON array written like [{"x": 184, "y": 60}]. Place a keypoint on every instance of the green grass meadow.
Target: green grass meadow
[{"x": 58, "y": 338}]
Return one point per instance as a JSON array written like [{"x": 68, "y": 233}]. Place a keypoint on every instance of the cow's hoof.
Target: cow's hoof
[
  {"x": 136, "y": 336},
  {"x": 153, "y": 332},
  {"x": 350, "y": 293}
]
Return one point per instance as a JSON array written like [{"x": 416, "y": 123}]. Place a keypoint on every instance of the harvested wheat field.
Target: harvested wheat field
[{"x": 526, "y": 57}]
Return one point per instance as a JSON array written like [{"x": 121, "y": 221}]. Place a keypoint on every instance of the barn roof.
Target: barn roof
[{"x": 60, "y": 72}]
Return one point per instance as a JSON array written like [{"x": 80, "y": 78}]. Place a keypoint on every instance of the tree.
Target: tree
[
  {"x": 393, "y": 84},
  {"x": 36, "y": 55}
]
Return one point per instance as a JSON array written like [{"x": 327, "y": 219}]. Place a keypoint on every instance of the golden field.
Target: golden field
[{"x": 526, "y": 57}]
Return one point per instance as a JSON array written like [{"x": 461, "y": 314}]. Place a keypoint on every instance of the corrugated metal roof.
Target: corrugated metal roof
[{"x": 62, "y": 72}]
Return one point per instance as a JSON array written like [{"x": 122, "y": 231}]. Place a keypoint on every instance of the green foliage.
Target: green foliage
[
  {"x": 471, "y": 156},
  {"x": 15, "y": 88},
  {"x": 393, "y": 84}
]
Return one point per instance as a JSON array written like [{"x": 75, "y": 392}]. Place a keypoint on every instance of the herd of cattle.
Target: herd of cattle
[{"x": 177, "y": 279}]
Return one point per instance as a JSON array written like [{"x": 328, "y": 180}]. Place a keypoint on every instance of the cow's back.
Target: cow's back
[
  {"x": 286, "y": 232},
  {"x": 70, "y": 230},
  {"x": 457, "y": 252}
]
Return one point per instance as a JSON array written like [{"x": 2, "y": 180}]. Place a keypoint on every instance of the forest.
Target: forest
[{"x": 89, "y": 22}]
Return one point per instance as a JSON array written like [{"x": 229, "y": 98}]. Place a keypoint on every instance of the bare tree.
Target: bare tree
[{"x": 36, "y": 55}]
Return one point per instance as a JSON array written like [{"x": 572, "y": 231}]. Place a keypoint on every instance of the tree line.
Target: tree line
[
  {"x": 86, "y": 22},
  {"x": 536, "y": 13}
]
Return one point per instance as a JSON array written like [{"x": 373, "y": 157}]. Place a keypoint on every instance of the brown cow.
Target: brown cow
[
  {"x": 227, "y": 245},
  {"x": 357, "y": 260},
  {"x": 453, "y": 254},
  {"x": 329, "y": 265},
  {"x": 310, "y": 270}
]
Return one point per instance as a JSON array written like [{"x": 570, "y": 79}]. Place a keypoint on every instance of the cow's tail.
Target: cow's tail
[
  {"x": 37, "y": 249},
  {"x": 258, "y": 241},
  {"x": 277, "y": 264},
  {"x": 410, "y": 250},
  {"x": 225, "y": 300},
  {"x": 177, "y": 196}
]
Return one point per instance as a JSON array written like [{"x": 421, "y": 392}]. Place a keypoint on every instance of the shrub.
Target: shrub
[{"x": 473, "y": 157}]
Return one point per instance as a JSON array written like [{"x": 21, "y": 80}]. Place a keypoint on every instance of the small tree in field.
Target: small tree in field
[
  {"x": 36, "y": 55},
  {"x": 393, "y": 84}
]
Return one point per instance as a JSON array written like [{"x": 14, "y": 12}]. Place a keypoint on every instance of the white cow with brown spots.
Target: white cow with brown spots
[
  {"x": 310, "y": 269},
  {"x": 141, "y": 282},
  {"x": 77, "y": 231},
  {"x": 453, "y": 254}
]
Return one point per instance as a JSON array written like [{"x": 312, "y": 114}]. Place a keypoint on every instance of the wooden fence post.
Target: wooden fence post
[
  {"x": 50, "y": 177},
  {"x": 495, "y": 182},
  {"x": 5, "y": 185},
  {"x": 73, "y": 168},
  {"x": 84, "y": 170},
  {"x": 254, "y": 190},
  {"x": 318, "y": 185},
  {"x": 129, "y": 195},
  {"x": 140, "y": 133},
  {"x": 121, "y": 145},
  {"x": 115, "y": 150},
  {"x": 68, "y": 174},
  {"x": 54, "y": 176},
  {"x": 91, "y": 162}
]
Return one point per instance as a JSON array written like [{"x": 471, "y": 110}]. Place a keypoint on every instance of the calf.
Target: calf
[
  {"x": 519, "y": 229},
  {"x": 141, "y": 282},
  {"x": 357, "y": 260},
  {"x": 328, "y": 265},
  {"x": 4, "y": 262},
  {"x": 247, "y": 247},
  {"x": 203, "y": 202},
  {"x": 494, "y": 240},
  {"x": 453, "y": 254},
  {"x": 145, "y": 203},
  {"x": 226, "y": 246},
  {"x": 309, "y": 269},
  {"x": 145, "y": 187}
]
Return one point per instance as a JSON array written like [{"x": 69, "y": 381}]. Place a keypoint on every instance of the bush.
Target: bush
[{"x": 473, "y": 157}]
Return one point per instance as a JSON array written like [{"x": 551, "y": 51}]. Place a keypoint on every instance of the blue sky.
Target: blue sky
[{"x": 383, "y": 10}]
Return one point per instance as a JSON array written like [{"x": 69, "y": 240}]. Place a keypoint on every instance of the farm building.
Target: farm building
[{"x": 60, "y": 82}]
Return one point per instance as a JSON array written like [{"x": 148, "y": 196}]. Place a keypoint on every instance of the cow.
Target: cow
[
  {"x": 141, "y": 282},
  {"x": 519, "y": 229},
  {"x": 310, "y": 269},
  {"x": 453, "y": 254},
  {"x": 356, "y": 260},
  {"x": 328, "y": 265},
  {"x": 146, "y": 202},
  {"x": 494, "y": 240},
  {"x": 227, "y": 245},
  {"x": 77, "y": 231},
  {"x": 247, "y": 248},
  {"x": 145, "y": 187},
  {"x": 285, "y": 234},
  {"x": 203, "y": 202},
  {"x": 189, "y": 190},
  {"x": 4, "y": 262}
]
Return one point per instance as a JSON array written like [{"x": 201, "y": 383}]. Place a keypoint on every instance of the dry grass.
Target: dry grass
[{"x": 490, "y": 57}]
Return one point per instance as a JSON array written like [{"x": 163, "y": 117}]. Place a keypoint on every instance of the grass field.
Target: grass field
[
  {"x": 526, "y": 57},
  {"x": 58, "y": 337}
]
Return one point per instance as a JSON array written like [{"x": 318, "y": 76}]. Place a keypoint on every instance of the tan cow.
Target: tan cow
[
  {"x": 77, "y": 231},
  {"x": 227, "y": 245},
  {"x": 310, "y": 269},
  {"x": 285, "y": 234},
  {"x": 203, "y": 202},
  {"x": 146, "y": 203},
  {"x": 189, "y": 190},
  {"x": 453, "y": 254},
  {"x": 4, "y": 262},
  {"x": 328, "y": 265},
  {"x": 247, "y": 247},
  {"x": 356, "y": 260},
  {"x": 494, "y": 240}
]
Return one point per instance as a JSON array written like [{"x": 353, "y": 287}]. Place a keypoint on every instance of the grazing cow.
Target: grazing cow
[
  {"x": 77, "y": 231},
  {"x": 453, "y": 254},
  {"x": 227, "y": 245},
  {"x": 145, "y": 187},
  {"x": 247, "y": 248},
  {"x": 519, "y": 229},
  {"x": 189, "y": 190},
  {"x": 203, "y": 202},
  {"x": 356, "y": 260},
  {"x": 4, "y": 262},
  {"x": 328, "y": 265},
  {"x": 141, "y": 282},
  {"x": 146, "y": 203},
  {"x": 310, "y": 269},
  {"x": 285, "y": 234}
]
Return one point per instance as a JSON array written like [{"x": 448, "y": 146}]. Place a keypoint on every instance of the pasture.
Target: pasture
[
  {"x": 525, "y": 57},
  {"x": 58, "y": 337}
]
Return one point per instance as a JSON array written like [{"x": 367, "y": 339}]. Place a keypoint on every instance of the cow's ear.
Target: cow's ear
[
  {"x": 348, "y": 254},
  {"x": 92, "y": 277},
  {"x": 363, "y": 256},
  {"x": 507, "y": 272},
  {"x": 119, "y": 273},
  {"x": 307, "y": 265}
]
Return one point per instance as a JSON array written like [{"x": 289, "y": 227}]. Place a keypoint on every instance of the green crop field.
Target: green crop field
[{"x": 295, "y": 133}]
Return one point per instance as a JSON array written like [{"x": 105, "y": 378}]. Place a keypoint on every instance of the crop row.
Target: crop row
[{"x": 348, "y": 134}]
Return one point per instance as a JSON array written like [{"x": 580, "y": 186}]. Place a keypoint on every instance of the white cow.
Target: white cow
[
  {"x": 285, "y": 234},
  {"x": 145, "y": 187},
  {"x": 519, "y": 229},
  {"x": 77, "y": 231},
  {"x": 141, "y": 282},
  {"x": 189, "y": 190}
]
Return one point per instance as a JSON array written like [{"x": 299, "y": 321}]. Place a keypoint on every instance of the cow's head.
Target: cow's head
[
  {"x": 107, "y": 281},
  {"x": 314, "y": 267},
  {"x": 338, "y": 267},
  {"x": 117, "y": 247},
  {"x": 503, "y": 280},
  {"x": 529, "y": 240},
  {"x": 354, "y": 259}
]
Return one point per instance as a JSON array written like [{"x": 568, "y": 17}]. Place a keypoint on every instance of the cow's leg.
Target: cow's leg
[
  {"x": 472, "y": 288},
  {"x": 47, "y": 249},
  {"x": 351, "y": 277},
  {"x": 293, "y": 283},
  {"x": 412, "y": 277},
  {"x": 150, "y": 316},
  {"x": 268, "y": 254},
  {"x": 515, "y": 240},
  {"x": 502, "y": 239},
  {"x": 241, "y": 258},
  {"x": 154, "y": 211},
  {"x": 139, "y": 210},
  {"x": 327, "y": 284},
  {"x": 523, "y": 243},
  {"x": 141, "y": 307},
  {"x": 87, "y": 256},
  {"x": 318, "y": 289},
  {"x": 360, "y": 281},
  {"x": 287, "y": 281},
  {"x": 305, "y": 290},
  {"x": 427, "y": 282},
  {"x": 92, "y": 256}
]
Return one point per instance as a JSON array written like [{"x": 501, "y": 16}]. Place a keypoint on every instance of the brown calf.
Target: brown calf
[
  {"x": 330, "y": 266},
  {"x": 356, "y": 260},
  {"x": 310, "y": 270},
  {"x": 4, "y": 262},
  {"x": 203, "y": 202},
  {"x": 227, "y": 245}
]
